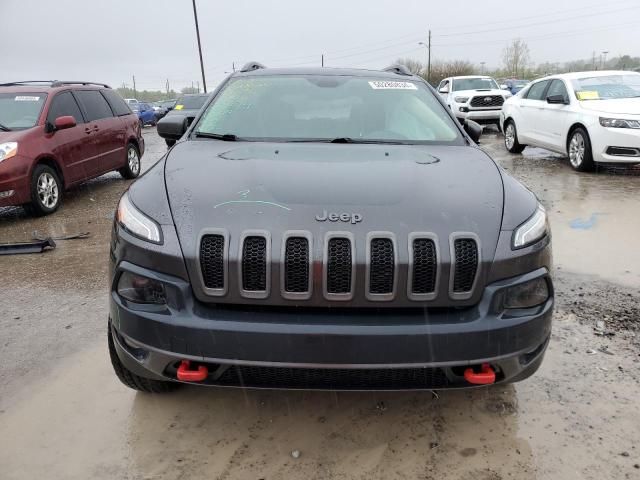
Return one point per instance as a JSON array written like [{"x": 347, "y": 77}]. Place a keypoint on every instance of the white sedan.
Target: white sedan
[{"x": 593, "y": 117}]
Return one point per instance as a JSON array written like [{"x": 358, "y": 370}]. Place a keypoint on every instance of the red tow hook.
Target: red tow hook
[
  {"x": 486, "y": 377},
  {"x": 186, "y": 375}
]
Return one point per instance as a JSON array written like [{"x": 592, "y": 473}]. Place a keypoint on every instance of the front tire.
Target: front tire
[
  {"x": 131, "y": 380},
  {"x": 131, "y": 168},
  {"x": 46, "y": 191},
  {"x": 511, "y": 138},
  {"x": 580, "y": 152}
]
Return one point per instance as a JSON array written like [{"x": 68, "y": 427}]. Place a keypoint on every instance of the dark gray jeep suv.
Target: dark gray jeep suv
[{"x": 327, "y": 229}]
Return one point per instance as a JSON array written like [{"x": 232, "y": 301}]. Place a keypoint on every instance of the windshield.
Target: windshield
[
  {"x": 194, "y": 102},
  {"x": 519, "y": 83},
  {"x": 20, "y": 110},
  {"x": 328, "y": 107},
  {"x": 607, "y": 87},
  {"x": 478, "y": 83}
]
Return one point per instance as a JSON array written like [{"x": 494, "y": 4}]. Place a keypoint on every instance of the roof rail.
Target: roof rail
[
  {"x": 398, "y": 69},
  {"x": 26, "y": 82},
  {"x": 60, "y": 83},
  {"x": 249, "y": 67}
]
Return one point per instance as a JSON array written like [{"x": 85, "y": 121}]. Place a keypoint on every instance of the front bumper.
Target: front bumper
[
  {"x": 263, "y": 346},
  {"x": 480, "y": 116},
  {"x": 14, "y": 181},
  {"x": 603, "y": 139}
]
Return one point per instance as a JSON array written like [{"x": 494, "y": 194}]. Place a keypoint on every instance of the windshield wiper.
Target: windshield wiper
[
  {"x": 227, "y": 137},
  {"x": 364, "y": 140},
  {"x": 4, "y": 129}
]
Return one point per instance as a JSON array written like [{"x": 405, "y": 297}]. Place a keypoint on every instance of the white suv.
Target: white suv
[{"x": 474, "y": 97}]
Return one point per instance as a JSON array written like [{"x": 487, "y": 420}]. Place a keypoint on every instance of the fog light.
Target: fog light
[
  {"x": 138, "y": 289},
  {"x": 464, "y": 109},
  {"x": 528, "y": 294},
  {"x": 6, "y": 194}
]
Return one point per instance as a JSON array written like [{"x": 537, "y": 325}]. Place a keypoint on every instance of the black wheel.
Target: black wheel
[
  {"x": 46, "y": 191},
  {"x": 511, "y": 138},
  {"x": 579, "y": 148},
  {"x": 170, "y": 143},
  {"x": 134, "y": 381},
  {"x": 131, "y": 168}
]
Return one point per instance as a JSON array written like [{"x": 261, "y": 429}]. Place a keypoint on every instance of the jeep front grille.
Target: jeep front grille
[
  {"x": 487, "y": 101},
  {"x": 465, "y": 265},
  {"x": 212, "y": 261},
  {"x": 339, "y": 266},
  {"x": 296, "y": 265},
  {"x": 384, "y": 273},
  {"x": 254, "y": 264}
]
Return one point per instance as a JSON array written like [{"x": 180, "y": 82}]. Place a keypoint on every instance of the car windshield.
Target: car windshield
[
  {"x": 194, "y": 102},
  {"x": 478, "y": 83},
  {"x": 321, "y": 107},
  {"x": 20, "y": 110},
  {"x": 519, "y": 83},
  {"x": 607, "y": 87}
]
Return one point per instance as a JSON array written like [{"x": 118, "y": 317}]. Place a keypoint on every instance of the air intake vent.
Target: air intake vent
[
  {"x": 254, "y": 264},
  {"x": 466, "y": 264},
  {"x": 382, "y": 266},
  {"x": 212, "y": 261},
  {"x": 425, "y": 266},
  {"x": 339, "y": 266},
  {"x": 296, "y": 265}
]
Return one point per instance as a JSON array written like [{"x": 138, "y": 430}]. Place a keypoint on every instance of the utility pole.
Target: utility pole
[
  {"x": 233, "y": 65},
  {"x": 593, "y": 60},
  {"x": 482, "y": 68},
  {"x": 428, "y": 46},
  {"x": 198, "y": 85},
  {"x": 135, "y": 92},
  {"x": 195, "y": 17},
  {"x": 604, "y": 64},
  {"x": 322, "y": 60}
]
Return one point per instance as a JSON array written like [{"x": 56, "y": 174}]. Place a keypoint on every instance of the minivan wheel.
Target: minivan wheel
[
  {"x": 46, "y": 191},
  {"x": 511, "y": 138},
  {"x": 134, "y": 381},
  {"x": 580, "y": 153},
  {"x": 131, "y": 168}
]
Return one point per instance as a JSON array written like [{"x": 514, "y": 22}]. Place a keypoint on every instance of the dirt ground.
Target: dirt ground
[{"x": 64, "y": 415}]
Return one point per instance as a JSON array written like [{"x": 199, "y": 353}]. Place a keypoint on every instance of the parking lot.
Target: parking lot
[{"x": 63, "y": 414}]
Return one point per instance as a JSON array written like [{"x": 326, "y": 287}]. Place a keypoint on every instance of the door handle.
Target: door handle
[
  {"x": 96, "y": 128},
  {"x": 87, "y": 130}
]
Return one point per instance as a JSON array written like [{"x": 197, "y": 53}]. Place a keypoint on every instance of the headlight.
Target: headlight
[
  {"x": 532, "y": 230},
  {"x": 619, "y": 123},
  {"x": 8, "y": 150},
  {"x": 135, "y": 222},
  {"x": 526, "y": 295},
  {"x": 461, "y": 99},
  {"x": 508, "y": 95}
]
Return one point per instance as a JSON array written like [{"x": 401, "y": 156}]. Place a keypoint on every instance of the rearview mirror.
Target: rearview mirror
[
  {"x": 473, "y": 129},
  {"x": 64, "y": 122},
  {"x": 172, "y": 127},
  {"x": 557, "y": 99}
]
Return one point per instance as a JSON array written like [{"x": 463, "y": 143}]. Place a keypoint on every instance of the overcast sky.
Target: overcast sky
[{"x": 111, "y": 40}]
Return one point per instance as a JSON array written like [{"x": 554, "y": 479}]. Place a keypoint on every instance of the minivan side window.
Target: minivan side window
[
  {"x": 537, "y": 90},
  {"x": 118, "y": 105},
  {"x": 63, "y": 104},
  {"x": 95, "y": 106}
]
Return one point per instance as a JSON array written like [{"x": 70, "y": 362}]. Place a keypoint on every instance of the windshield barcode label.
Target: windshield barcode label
[{"x": 381, "y": 85}]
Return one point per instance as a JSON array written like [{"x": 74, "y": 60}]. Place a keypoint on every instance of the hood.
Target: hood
[
  {"x": 12, "y": 136},
  {"x": 475, "y": 93},
  {"x": 622, "y": 106},
  {"x": 363, "y": 188}
]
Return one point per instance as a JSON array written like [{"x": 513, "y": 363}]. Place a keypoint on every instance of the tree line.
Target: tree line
[{"x": 517, "y": 63}]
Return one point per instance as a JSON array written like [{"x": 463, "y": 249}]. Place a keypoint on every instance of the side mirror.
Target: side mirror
[
  {"x": 444, "y": 90},
  {"x": 473, "y": 129},
  {"x": 504, "y": 86},
  {"x": 557, "y": 99},
  {"x": 172, "y": 127},
  {"x": 64, "y": 122}
]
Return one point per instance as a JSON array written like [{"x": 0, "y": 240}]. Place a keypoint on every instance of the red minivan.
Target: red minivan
[{"x": 56, "y": 134}]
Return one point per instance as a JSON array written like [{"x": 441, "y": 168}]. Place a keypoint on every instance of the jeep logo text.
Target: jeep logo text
[{"x": 342, "y": 217}]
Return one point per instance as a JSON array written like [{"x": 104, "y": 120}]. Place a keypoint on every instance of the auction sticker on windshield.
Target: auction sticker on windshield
[
  {"x": 386, "y": 85},
  {"x": 23, "y": 98}
]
